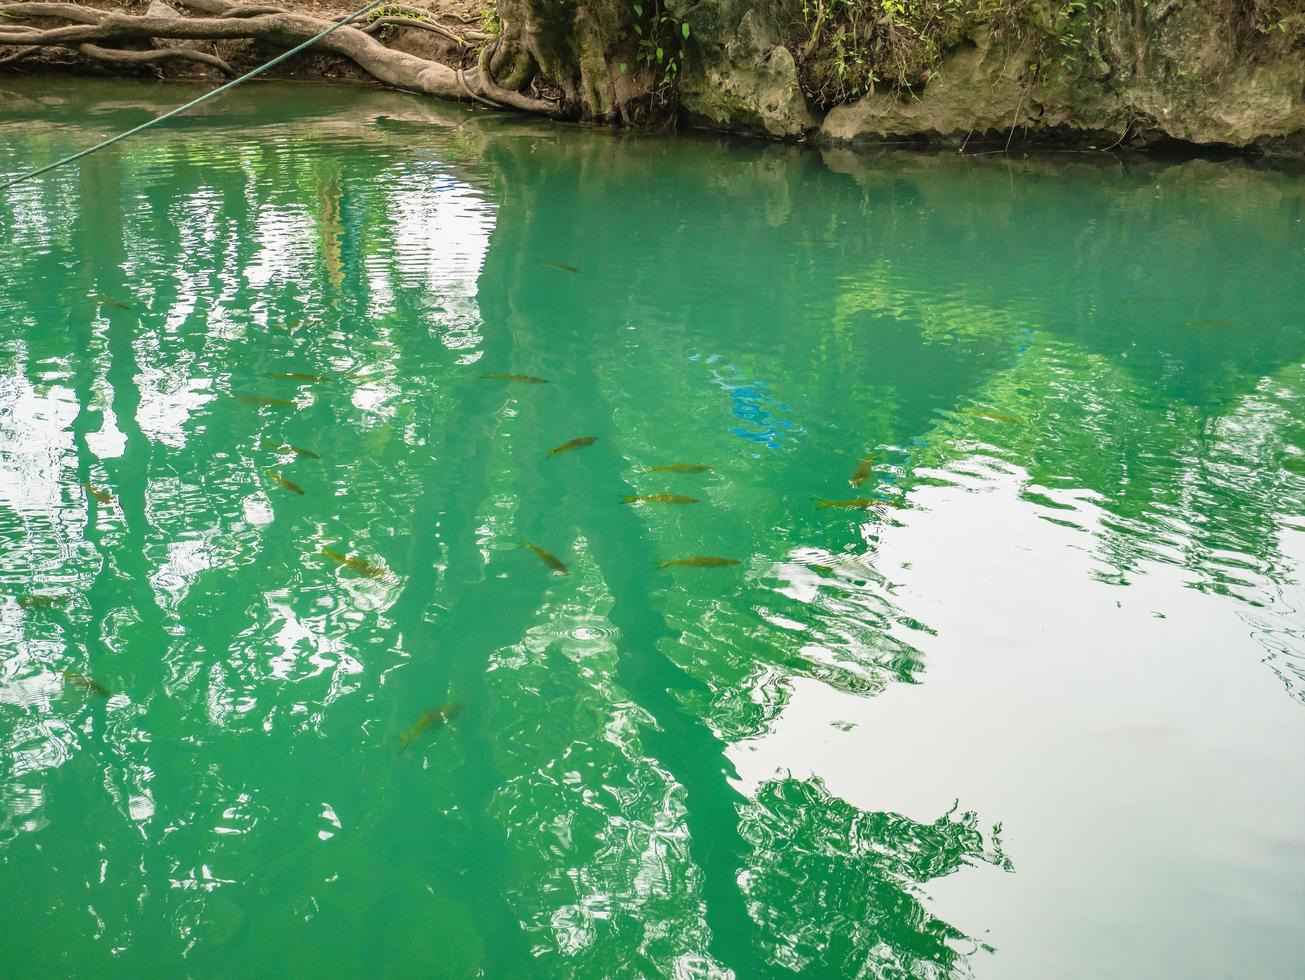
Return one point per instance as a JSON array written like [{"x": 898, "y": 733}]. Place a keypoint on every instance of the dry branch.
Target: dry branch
[{"x": 466, "y": 39}]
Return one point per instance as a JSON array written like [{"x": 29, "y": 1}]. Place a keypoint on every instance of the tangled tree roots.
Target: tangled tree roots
[{"x": 101, "y": 34}]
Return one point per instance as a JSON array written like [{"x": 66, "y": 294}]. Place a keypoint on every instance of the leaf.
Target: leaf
[
  {"x": 624, "y": 68},
  {"x": 684, "y": 29},
  {"x": 638, "y": 10},
  {"x": 659, "y": 56}
]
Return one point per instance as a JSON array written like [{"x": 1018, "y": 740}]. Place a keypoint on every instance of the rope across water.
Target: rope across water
[{"x": 203, "y": 98}]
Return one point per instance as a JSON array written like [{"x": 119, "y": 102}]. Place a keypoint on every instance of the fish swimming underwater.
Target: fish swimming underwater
[
  {"x": 265, "y": 400},
  {"x": 111, "y": 302},
  {"x": 287, "y": 448},
  {"x": 991, "y": 416},
  {"x": 360, "y": 565},
  {"x": 679, "y": 468},
  {"x": 529, "y": 379},
  {"x": 860, "y": 503},
  {"x": 863, "y": 471},
  {"x": 42, "y": 600},
  {"x": 288, "y": 484},
  {"x": 660, "y": 498},
  {"x": 85, "y": 683},
  {"x": 699, "y": 561},
  {"x": 563, "y": 266},
  {"x": 579, "y": 443},
  {"x": 300, "y": 376},
  {"x": 431, "y": 718},
  {"x": 103, "y": 496},
  {"x": 552, "y": 561}
]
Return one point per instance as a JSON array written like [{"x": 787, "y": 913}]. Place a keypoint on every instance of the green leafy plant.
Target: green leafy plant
[
  {"x": 660, "y": 42},
  {"x": 849, "y": 48}
]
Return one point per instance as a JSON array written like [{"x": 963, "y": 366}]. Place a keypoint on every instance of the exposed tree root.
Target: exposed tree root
[
  {"x": 117, "y": 56},
  {"x": 101, "y": 34}
]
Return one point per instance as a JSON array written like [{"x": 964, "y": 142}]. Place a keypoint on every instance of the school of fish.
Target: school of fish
[{"x": 435, "y": 718}]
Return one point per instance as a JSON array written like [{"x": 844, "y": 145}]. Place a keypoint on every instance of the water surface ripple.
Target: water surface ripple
[{"x": 1002, "y": 675}]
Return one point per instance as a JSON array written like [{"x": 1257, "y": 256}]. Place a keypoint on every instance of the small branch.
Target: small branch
[
  {"x": 1127, "y": 129},
  {"x": 18, "y": 55},
  {"x": 466, "y": 39},
  {"x": 1015, "y": 121}
]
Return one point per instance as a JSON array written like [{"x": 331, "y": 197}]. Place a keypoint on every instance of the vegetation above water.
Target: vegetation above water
[
  {"x": 847, "y": 48},
  {"x": 1145, "y": 70}
]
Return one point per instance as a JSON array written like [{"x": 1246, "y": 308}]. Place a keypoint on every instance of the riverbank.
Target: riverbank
[{"x": 1175, "y": 76}]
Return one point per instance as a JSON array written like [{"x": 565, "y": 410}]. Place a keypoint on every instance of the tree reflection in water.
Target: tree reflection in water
[{"x": 584, "y": 816}]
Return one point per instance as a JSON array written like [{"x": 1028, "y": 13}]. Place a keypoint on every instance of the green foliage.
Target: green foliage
[
  {"x": 849, "y": 48},
  {"x": 1274, "y": 18},
  {"x": 660, "y": 46},
  {"x": 1066, "y": 31},
  {"x": 399, "y": 10}
]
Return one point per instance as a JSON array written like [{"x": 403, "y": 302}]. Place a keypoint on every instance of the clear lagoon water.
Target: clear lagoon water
[{"x": 1032, "y": 708}]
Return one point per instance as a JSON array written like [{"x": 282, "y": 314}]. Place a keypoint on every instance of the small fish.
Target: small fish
[
  {"x": 85, "y": 683},
  {"x": 287, "y": 448},
  {"x": 699, "y": 561},
  {"x": 264, "y": 400},
  {"x": 293, "y": 324},
  {"x": 566, "y": 447},
  {"x": 42, "y": 600},
  {"x": 679, "y": 468},
  {"x": 991, "y": 416},
  {"x": 529, "y": 379},
  {"x": 660, "y": 498},
  {"x": 863, "y": 471},
  {"x": 103, "y": 496},
  {"x": 860, "y": 503},
  {"x": 299, "y": 376},
  {"x": 359, "y": 565},
  {"x": 563, "y": 266},
  {"x": 288, "y": 484},
  {"x": 111, "y": 302},
  {"x": 1208, "y": 323},
  {"x": 431, "y": 718},
  {"x": 550, "y": 560}
]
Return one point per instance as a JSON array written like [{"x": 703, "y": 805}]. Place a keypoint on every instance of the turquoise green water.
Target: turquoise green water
[{"x": 1036, "y": 712}]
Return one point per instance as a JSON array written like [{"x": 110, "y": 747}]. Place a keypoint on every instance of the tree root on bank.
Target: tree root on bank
[
  {"x": 117, "y": 56},
  {"x": 99, "y": 34},
  {"x": 465, "y": 40}
]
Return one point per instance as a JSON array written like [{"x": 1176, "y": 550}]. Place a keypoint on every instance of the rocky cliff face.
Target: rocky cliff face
[{"x": 1200, "y": 71}]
